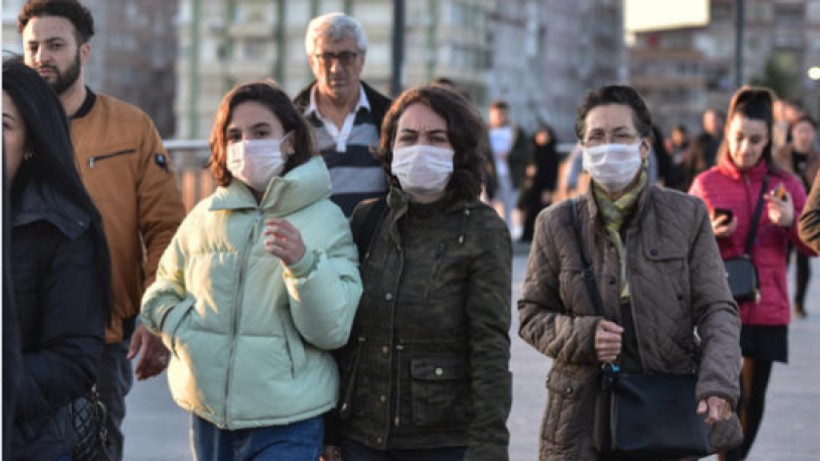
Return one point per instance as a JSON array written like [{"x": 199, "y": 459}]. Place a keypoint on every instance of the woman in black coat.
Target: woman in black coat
[
  {"x": 60, "y": 266},
  {"x": 541, "y": 185}
]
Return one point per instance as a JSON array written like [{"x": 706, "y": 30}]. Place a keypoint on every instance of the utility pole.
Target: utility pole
[
  {"x": 398, "y": 48},
  {"x": 739, "y": 25},
  {"x": 193, "y": 72}
]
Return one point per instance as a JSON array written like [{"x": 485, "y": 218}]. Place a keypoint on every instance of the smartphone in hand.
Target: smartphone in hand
[
  {"x": 725, "y": 213},
  {"x": 779, "y": 191}
]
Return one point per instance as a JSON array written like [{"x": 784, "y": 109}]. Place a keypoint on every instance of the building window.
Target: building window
[{"x": 256, "y": 48}]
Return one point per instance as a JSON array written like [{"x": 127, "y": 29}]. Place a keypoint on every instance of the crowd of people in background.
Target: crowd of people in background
[{"x": 345, "y": 291}]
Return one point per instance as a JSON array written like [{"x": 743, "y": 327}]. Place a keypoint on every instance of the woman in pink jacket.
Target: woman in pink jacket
[{"x": 731, "y": 190}]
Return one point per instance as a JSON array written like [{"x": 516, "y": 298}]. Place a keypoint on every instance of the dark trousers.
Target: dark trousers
[
  {"x": 114, "y": 380},
  {"x": 754, "y": 380},
  {"x": 298, "y": 441},
  {"x": 802, "y": 278},
  {"x": 354, "y": 451}
]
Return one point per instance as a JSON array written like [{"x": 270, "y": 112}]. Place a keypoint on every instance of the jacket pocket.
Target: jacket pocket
[
  {"x": 563, "y": 419},
  {"x": 94, "y": 160},
  {"x": 440, "y": 391}
]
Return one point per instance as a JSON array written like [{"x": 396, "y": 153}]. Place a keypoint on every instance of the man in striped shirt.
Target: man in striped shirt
[{"x": 345, "y": 112}]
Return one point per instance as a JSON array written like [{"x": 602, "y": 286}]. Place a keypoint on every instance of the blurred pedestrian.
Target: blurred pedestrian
[
  {"x": 61, "y": 275},
  {"x": 127, "y": 172},
  {"x": 745, "y": 174},
  {"x": 658, "y": 272},
  {"x": 425, "y": 375},
  {"x": 705, "y": 147},
  {"x": 344, "y": 112},
  {"x": 512, "y": 153},
  {"x": 542, "y": 178},
  {"x": 257, "y": 286},
  {"x": 678, "y": 148},
  {"x": 801, "y": 158}
]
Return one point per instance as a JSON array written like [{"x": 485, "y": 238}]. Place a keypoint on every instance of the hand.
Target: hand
[
  {"x": 283, "y": 241},
  {"x": 781, "y": 212},
  {"x": 153, "y": 354},
  {"x": 331, "y": 453},
  {"x": 723, "y": 228},
  {"x": 608, "y": 341},
  {"x": 715, "y": 408}
]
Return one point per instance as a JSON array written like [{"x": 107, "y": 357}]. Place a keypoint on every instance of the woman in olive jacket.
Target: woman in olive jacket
[
  {"x": 659, "y": 273},
  {"x": 426, "y": 372},
  {"x": 60, "y": 268}
]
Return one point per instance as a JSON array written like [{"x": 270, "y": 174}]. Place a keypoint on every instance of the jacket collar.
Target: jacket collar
[
  {"x": 728, "y": 168},
  {"x": 300, "y": 187},
  {"x": 40, "y": 202}
]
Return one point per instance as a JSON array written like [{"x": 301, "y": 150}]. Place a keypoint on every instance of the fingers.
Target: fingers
[
  {"x": 283, "y": 240},
  {"x": 153, "y": 359},
  {"x": 715, "y": 408},
  {"x": 135, "y": 344},
  {"x": 608, "y": 341}
]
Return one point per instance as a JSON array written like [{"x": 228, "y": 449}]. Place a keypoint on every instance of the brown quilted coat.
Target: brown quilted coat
[{"x": 677, "y": 282}]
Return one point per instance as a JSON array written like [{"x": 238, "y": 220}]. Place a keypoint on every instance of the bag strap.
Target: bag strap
[
  {"x": 589, "y": 275},
  {"x": 750, "y": 237},
  {"x": 365, "y": 229}
]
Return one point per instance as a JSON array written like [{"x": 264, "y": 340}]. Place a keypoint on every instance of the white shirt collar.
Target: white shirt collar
[{"x": 363, "y": 102}]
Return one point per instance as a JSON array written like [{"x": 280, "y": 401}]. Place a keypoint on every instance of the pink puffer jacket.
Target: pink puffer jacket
[{"x": 724, "y": 186}]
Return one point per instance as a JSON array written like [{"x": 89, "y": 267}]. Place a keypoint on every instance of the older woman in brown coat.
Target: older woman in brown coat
[{"x": 659, "y": 273}]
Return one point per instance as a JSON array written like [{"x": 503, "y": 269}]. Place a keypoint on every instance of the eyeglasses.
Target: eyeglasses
[
  {"x": 344, "y": 58},
  {"x": 597, "y": 138}
]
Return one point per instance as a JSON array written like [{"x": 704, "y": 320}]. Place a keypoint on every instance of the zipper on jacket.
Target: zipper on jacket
[
  {"x": 397, "y": 419},
  {"x": 344, "y": 408},
  {"x": 243, "y": 261},
  {"x": 93, "y": 160},
  {"x": 632, "y": 305}
]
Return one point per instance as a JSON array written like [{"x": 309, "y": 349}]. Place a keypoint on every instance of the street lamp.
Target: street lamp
[{"x": 814, "y": 73}]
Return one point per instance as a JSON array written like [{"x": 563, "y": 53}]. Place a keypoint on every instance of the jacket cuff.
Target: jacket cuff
[
  {"x": 170, "y": 322},
  {"x": 302, "y": 268}
]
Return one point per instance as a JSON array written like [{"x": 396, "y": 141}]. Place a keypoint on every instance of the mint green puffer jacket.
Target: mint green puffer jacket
[{"x": 249, "y": 337}]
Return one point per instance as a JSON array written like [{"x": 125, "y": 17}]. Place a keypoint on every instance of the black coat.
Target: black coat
[{"x": 59, "y": 297}]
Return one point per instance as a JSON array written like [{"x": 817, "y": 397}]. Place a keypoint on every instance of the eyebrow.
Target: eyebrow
[
  {"x": 253, "y": 127},
  {"x": 434, "y": 131},
  {"x": 49, "y": 40},
  {"x": 8, "y": 115}
]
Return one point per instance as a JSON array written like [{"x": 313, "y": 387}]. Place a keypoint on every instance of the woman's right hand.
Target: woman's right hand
[
  {"x": 723, "y": 228},
  {"x": 608, "y": 341}
]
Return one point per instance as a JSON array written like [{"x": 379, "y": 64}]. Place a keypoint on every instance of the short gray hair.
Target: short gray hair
[{"x": 335, "y": 27}]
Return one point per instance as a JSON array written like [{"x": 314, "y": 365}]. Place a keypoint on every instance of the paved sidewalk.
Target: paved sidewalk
[{"x": 157, "y": 430}]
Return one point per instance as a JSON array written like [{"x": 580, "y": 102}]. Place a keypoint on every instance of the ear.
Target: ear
[
  {"x": 85, "y": 53},
  {"x": 287, "y": 146},
  {"x": 644, "y": 148}
]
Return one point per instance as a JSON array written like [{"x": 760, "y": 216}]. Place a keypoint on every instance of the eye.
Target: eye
[
  {"x": 55, "y": 46},
  {"x": 260, "y": 133},
  {"x": 33, "y": 48},
  {"x": 234, "y": 137}
]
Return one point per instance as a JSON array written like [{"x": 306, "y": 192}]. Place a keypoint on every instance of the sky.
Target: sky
[{"x": 652, "y": 14}]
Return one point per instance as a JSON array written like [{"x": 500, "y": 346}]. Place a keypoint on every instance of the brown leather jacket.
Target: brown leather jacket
[
  {"x": 677, "y": 282},
  {"x": 128, "y": 174}
]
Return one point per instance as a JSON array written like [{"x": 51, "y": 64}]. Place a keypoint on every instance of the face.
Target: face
[
  {"x": 712, "y": 122},
  {"x": 50, "y": 47},
  {"x": 747, "y": 138},
  {"x": 337, "y": 67},
  {"x": 252, "y": 120},
  {"x": 14, "y": 137},
  {"x": 498, "y": 117},
  {"x": 420, "y": 125},
  {"x": 678, "y": 137},
  {"x": 612, "y": 124},
  {"x": 542, "y": 137},
  {"x": 792, "y": 112},
  {"x": 803, "y": 135}
]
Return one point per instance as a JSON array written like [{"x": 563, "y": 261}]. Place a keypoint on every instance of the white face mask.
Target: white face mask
[
  {"x": 423, "y": 171},
  {"x": 256, "y": 161},
  {"x": 613, "y": 166}
]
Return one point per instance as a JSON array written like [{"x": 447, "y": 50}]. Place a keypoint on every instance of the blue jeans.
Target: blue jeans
[
  {"x": 354, "y": 451},
  {"x": 114, "y": 380},
  {"x": 297, "y": 441}
]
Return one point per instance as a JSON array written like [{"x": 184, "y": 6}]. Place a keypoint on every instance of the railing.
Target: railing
[{"x": 195, "y": 181}]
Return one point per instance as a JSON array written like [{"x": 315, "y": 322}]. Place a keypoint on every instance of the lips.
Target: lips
[{"x": 46, "y": 71}]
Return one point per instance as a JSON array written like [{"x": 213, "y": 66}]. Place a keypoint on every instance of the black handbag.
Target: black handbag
[
  {"x": 643, "y": 416},
  {"x": 741, "y": 271},
  {"x": 88, "y": 415}
]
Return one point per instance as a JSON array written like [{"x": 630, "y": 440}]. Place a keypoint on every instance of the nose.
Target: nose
[{"x": 40, "y": 56}]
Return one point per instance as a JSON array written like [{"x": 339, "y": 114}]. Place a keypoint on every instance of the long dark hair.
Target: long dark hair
[
  {"x": 754, "y": 103},
  {"x": 52, "y": 161},
  {"x": 465, "y": 129}
]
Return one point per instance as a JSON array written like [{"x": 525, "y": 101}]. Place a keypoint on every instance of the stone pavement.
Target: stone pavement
[{"x": 157, "y": 430}]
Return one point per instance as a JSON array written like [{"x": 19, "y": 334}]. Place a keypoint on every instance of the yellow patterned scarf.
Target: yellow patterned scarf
[{"x": 614, "y": 214}]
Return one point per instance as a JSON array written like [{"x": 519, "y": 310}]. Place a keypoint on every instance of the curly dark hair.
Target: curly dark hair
[
  {"x": 268, "y": 94},
  {"x": 466, "y": 131},
  {"x": 614, "y": 94},
  {"x": 72, "y": 10}
]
